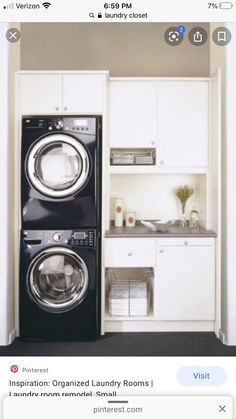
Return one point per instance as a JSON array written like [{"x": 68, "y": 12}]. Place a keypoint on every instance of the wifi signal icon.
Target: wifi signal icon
[{"x": 46, "y": 4}]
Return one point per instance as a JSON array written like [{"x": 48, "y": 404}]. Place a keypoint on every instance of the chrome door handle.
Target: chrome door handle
[{"x": 130, "y": 254}]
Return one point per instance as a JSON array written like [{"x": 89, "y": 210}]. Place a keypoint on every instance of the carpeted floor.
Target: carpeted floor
[{"x": 127, "y": 344}]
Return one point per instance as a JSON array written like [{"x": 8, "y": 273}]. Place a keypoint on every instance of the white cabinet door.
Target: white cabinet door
[
  {"x": 133, "y": 114},
  {"x": 84, "y": 93},
  {"x": 185, "y": 283},
  {"x": 40, "y": 94},
  {"x": 183, "y": 123}
]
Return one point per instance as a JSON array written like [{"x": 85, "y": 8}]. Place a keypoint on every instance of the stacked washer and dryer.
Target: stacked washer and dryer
[{"x": 61, "y": 221}]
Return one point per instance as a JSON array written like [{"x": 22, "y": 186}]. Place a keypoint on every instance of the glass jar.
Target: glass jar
[
  {"x": 194, "y": 218},
  {"x": 130, "y": 218}
]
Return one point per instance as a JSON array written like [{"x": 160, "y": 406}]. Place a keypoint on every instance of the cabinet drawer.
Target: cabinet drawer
[
  {"x": 130, "y": 252},
  {"x": 186, "y": 241}
]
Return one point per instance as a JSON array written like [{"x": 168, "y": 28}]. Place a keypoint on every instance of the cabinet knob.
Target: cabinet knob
[
  {"x": 65, "y": 108},
  {"x": 57, "y": 108},
  {"x": 130, "y": 254},
  {"x": 161, "y": 251},
  {"x": 186, "y": 243},
  {"x": 162, "y": 162},
  {"x": 153, "y": 142}
]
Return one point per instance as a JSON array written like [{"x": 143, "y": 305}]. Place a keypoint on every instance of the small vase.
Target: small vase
[{"x": 183, "y": 221}]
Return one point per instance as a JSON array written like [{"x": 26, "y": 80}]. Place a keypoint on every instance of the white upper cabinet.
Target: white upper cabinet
[
  {"x": 39, "y": 94},
  {"x": 133, "y": 118},
  {"x": 183, "y": 123},
  {"x": 83, "y": 93},
  {"x": 43, "y": 93}
]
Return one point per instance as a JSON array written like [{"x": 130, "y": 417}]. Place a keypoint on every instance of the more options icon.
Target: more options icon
[
  {"x": 173, "y": 37},
  {"x": 221, "y": 36},
  {"x": 197, "y": 36}
]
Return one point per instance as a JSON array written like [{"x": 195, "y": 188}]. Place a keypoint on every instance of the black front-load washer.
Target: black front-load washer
[
  {"x": 59, "y": 285},
  {"x": 61, "y": 172}
]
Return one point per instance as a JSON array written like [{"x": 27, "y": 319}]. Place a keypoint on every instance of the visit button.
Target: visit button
[{"x": 201, "y": 376}]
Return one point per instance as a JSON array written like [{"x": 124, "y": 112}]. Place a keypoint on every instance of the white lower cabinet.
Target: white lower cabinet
[
  {"x": 185, "y": 279},
  {"x": 180, "y": 275}
]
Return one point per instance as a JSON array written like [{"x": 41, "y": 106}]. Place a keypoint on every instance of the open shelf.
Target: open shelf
[
  {"x": 156, "y": 170},
  {"x": 129, "y": 294}
]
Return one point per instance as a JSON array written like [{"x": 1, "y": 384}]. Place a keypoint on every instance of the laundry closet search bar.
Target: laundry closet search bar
[{"x": 140, "y": 407}]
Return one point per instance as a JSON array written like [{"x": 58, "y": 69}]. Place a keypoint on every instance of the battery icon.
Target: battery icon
[{"x": 226, "y": 5}]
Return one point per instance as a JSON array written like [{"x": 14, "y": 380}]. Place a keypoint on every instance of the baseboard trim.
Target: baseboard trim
[
  {"x": 222, "y": 337},
  {"x": 11, "y": 336},
  {"x": 155, "y": 326}
]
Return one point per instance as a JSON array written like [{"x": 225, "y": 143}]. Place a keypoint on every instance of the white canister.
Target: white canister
[
  {"x": 119, "y": 211},
  {"x": 130, "y": 218}
]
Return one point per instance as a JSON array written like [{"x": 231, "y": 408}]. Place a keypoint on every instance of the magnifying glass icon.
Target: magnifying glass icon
[{"x": 91, "y": 15}]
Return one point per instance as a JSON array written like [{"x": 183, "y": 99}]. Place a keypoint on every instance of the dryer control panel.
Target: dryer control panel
[{"x": 78, "y": 124}]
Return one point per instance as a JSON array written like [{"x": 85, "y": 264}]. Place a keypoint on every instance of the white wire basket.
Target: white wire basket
[
  {"x": 133, "y": 156},
  {"x": 129, "y": 291}
]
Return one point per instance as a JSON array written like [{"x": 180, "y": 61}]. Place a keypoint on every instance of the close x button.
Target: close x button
[{"x": 222, "y": 409}]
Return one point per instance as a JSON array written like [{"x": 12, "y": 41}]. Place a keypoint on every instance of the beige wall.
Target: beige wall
[{"x": 124, "y": 49}]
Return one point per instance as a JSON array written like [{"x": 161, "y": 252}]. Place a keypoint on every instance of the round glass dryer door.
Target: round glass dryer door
[
  {"x": 58, "y": 280},
  {"x": 58, "y": 166}
]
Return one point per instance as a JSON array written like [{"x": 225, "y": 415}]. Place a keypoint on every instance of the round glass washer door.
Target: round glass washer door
[
  {"x": 57, "y": 280},
  {"x": 58, "y": 166}
]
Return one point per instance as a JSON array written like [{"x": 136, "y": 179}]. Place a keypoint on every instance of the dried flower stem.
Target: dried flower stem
[{"x": 183, "y": 193}]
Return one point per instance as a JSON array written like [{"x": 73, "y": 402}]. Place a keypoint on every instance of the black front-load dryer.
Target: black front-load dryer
[
  {"x": 60, "y": 172},
  {"x": 59, "y": 285}
]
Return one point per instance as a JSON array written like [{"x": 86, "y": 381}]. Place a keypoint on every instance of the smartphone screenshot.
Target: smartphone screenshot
[{"x": 117, "y": 209}]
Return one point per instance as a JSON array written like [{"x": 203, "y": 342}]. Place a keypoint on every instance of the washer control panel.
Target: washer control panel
[
  {"x": 57, "y": 237},
  {"x": 80, "y": 238},
  {"x": 84, "y": 238},
  {"x": 59, "y": 124}
]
